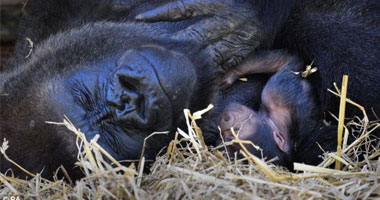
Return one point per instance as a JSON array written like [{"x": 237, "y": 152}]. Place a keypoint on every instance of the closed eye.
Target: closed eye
[
  {"x": 128, "y": 84},
  {"x": 92, "y": 102}
]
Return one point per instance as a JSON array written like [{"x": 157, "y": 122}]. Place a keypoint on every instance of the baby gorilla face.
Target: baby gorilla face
[{"x": 250, "y": 126}]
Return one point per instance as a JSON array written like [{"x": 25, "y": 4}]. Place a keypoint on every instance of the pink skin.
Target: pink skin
[
  {"x": 241, "y": 118},
  {"x": 244, "y": 121},
  {"x": 279, "y": 117}
]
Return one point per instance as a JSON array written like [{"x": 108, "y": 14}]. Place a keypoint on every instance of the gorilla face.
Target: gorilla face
[
  {"x": 116, "y": 80},
  {"x": 136, "y": 94},
  {"x": 143, "y": 92}
]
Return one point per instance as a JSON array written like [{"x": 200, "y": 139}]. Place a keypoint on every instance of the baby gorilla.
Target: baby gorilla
[{"x": 287, "y": 124}]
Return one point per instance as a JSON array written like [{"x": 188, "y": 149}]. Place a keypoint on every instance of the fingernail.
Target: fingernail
[{"x": 140, "y": 17}]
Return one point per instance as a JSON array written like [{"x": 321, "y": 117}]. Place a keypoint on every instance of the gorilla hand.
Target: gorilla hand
[{"x": 229, "y": 31}]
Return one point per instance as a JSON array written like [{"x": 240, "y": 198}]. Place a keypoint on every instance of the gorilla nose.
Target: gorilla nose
[
  {"x": 123, "y": 93},
  {"x": 113, "y": 100},
  {"x": 226, "y": 121},
  {"x": 226, "y": 117},
  {"x": 122, "y": 101}
]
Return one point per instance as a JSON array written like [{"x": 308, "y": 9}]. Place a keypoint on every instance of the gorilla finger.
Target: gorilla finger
[
  {"x": 235, "y": 60},
  {"x": 180, "y": 10},
  {"x": 206, "y": 31},
  {"x": 229, "y": 52},
  {"x": 241, "y": 48}
]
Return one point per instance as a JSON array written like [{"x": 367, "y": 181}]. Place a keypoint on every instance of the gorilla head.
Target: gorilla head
[
  {"x": 142, "y": 92},
  {"x": 115, "y": 80}
]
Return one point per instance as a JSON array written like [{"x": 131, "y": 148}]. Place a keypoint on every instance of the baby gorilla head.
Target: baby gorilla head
[
  {"x": 255, "y": 127},
  {"x": 286, "y": 116}
]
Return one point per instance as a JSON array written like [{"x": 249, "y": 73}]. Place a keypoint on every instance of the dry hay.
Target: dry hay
[{"x": 191, "y": 170}]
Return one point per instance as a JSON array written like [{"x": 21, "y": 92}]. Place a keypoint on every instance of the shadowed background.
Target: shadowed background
[{"x": 10, "y": 14}]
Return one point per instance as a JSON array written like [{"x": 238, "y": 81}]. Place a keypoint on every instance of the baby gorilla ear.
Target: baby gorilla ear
[
  {"x": 282, "y": 140},
  {"x": 266, "y": 62}
]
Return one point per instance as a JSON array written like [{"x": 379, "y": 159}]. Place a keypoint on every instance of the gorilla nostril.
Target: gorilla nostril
[
  {"x": 227, "y": 117},
  {"x": 125, "y": 99}
]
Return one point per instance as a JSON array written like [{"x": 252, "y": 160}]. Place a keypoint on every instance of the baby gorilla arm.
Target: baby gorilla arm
[{"x": 267, "y": 62}]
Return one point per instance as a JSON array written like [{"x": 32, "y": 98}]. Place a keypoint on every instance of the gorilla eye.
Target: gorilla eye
[{"x": 128, "y": 84}]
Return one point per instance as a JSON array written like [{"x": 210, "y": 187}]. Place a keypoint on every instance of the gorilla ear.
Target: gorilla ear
[{"x": 281, "y": 139}]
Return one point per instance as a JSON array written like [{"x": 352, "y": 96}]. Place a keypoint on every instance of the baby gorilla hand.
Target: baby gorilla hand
[
  {"x": 229, "y": 30},
  {"x": 228, "y": 79}
]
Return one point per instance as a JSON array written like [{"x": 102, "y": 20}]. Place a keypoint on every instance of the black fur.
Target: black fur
[{"x": 341, "y": 37}]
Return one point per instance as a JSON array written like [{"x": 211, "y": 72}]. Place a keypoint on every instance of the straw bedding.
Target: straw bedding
[{"x": 188, "y": 169}]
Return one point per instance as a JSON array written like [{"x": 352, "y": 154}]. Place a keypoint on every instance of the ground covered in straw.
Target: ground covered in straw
[{"x": 189, "y": 170}]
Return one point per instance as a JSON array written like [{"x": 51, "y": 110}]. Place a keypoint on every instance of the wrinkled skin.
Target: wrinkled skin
[
  {"x": 133, "y": 84},
  {"x": 286, "y": 105},
  {"x": 82, "y": 69},
  {"x": 120, "y": 80}
]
